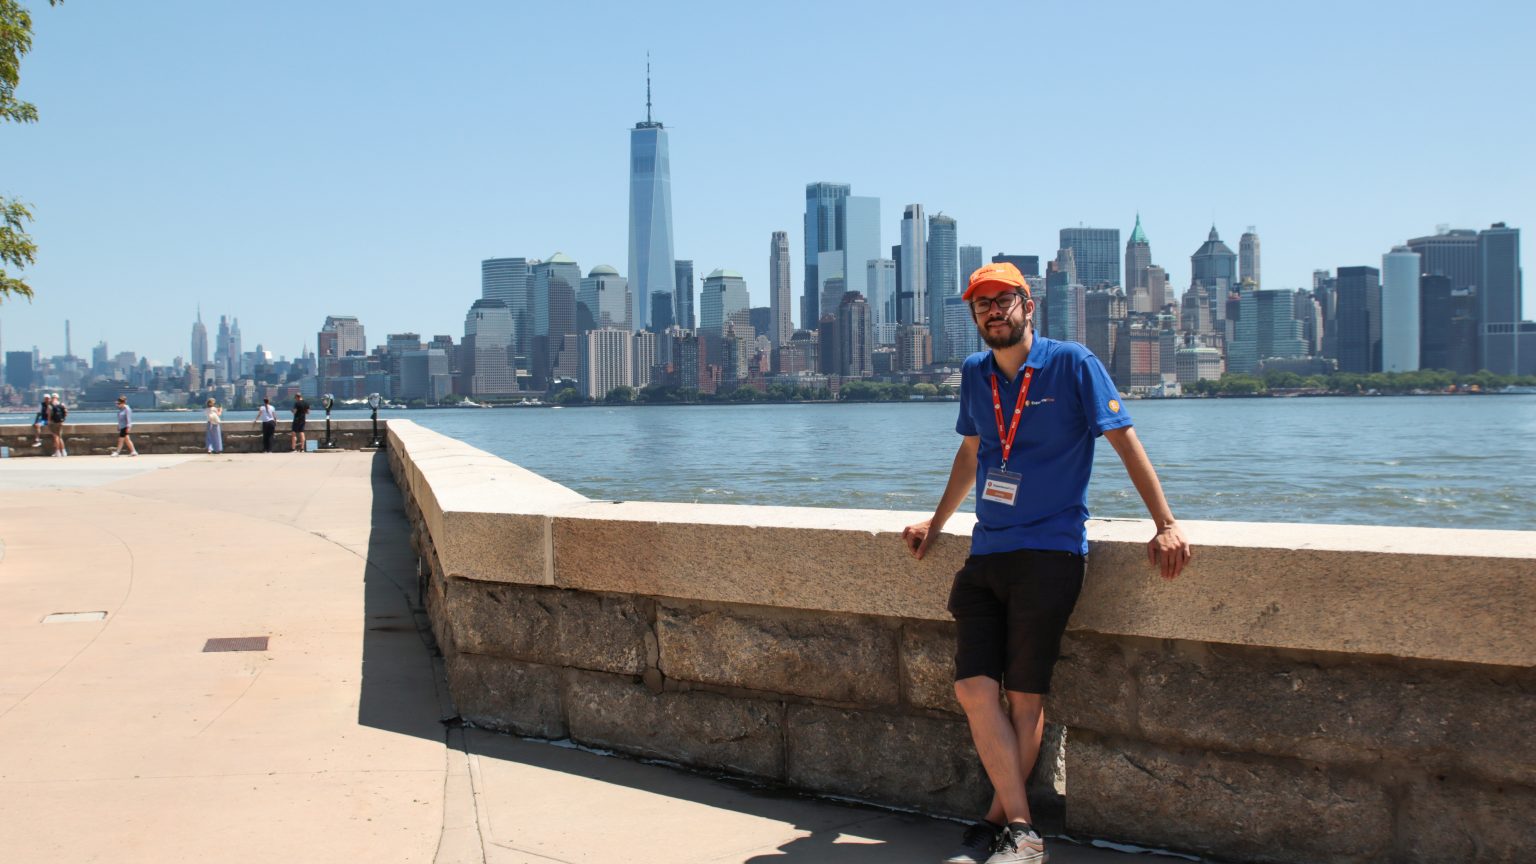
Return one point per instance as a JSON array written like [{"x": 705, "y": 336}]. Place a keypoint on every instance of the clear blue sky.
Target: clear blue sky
[{"x": 282, "y": 161}]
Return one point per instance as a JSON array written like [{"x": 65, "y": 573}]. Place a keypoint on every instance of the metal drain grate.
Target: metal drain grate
[
  {"x": 236, "y": 643},
  {"x": 73, "y": 617}
]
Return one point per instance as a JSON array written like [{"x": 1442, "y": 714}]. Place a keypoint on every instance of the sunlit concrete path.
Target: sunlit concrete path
[{"x": 122, "y": 739}]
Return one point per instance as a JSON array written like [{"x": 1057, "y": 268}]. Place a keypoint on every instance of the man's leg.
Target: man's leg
[{"x": 999, "y": 745}]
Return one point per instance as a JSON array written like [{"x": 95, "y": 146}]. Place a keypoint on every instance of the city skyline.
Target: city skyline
[{"x": 388, "y": 217}]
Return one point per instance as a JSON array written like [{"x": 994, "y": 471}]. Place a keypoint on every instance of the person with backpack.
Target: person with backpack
[
  {"x": 56, "y": 415},
  {"x": 41, "y": 420}
]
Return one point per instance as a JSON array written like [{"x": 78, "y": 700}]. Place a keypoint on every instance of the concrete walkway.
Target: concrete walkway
[{"x": 122, "y": 739}]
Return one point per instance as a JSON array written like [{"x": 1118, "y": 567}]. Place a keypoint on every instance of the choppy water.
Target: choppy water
[{"x": 1439, "y": 461}]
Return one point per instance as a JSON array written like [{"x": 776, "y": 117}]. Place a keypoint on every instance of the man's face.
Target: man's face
[{"x": 1000, "y": 328}]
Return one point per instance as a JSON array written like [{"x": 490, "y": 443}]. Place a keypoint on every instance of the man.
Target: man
[
  {"x": 41, "y": 420},
  {"x": 266, "y": 415},
  {"x": 1030, "y": 410},
  {"x": 300, "y": 413},
  {"x": 124, "y": 426},
  {"x": 56, "y": 415}
]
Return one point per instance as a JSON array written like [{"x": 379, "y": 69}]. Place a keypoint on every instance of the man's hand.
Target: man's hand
[
  {"x": 919, "y": 537},
  {"x": 1168, "y": 551}
]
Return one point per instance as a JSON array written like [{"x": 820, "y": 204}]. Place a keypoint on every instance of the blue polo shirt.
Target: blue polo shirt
[{"x": 1071, "y": 402}]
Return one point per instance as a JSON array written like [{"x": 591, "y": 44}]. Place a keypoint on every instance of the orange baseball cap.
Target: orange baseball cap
[{"x": 996, "y": 275}]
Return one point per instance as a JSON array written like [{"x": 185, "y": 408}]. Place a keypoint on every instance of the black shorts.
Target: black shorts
[
  {"x": 1011, "y": 609},
  {"x": 298, "y": 425},
  {"x": 122, "y": 431}
]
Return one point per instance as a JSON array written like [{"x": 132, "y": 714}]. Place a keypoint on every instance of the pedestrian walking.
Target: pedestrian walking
[
  {"x": 57, "y": 412},
  {"x": 300, "y": 414},
  {"x": 1029, "y": 468},
  {"x": 214, "y": 437},
  {"x": 267, "y": 417},
  {"x": 124, "y": 426},
  {"x": 40, "y": 422}
]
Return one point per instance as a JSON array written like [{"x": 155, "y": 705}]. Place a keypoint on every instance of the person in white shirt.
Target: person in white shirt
[
  {"x": 267, "y": 417},
  {"x": 215, "y": 435}
]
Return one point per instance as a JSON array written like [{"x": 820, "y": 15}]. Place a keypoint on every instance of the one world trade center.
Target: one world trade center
[{"x": 650, "y": 213}]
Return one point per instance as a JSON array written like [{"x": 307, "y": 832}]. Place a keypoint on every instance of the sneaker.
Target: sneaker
[
  {"x": 133, "y": 452},
  {"x": 976, "y": 844},
  {"x": 114, "y": 454},
  {"x": 37, "y": 443},
  {"x": 1018, "y": 844}
]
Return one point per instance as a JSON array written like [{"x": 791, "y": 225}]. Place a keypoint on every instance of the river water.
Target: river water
[{"x": 1439, "y": 461}]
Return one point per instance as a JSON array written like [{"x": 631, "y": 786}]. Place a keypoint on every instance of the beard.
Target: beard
[{"x": 1013, "y": 336}]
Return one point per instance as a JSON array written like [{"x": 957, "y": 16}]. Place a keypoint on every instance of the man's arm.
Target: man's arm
[
  {"x": 1168, "y": 550},
  {"x": 962, "y": 476}
]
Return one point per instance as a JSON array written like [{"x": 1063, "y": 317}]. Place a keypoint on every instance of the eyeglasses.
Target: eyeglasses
[{"x": 1002, "y": 302}]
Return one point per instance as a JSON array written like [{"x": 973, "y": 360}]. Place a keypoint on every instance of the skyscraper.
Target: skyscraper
[
  {"x": 943, "y": 272},
  {"x": 1029, "y": 265},
  {"x": 1447, "y": 325},
  {"x": 861, "y": 240},
  {"x": 914, "y": 266},
  {"x": 508, "y": 280},
  {"x": 607, "y": 361},
  {"x": 1097, "y": 253},
  {"x": 1213, "y": 267},
  {"x": 970, "y": 262},
  {"x": 199, "y": 353},
  {"x": 650, "y": 208},
  {"x": 779, "y": 289},
  {"x": 485, "y": 366},
  {"x": 823, "y": 224},
  {"x": 1266, "y": 328},
  {"x": 682, "y": 294},
  {"x": 604, "y": 300},
  {"x": 1449, "y": 253},
  {"x": 1359, "y": 319},
  {"x": 724, "y": 301},
  {"x": 881, "y": 279},
  {"x": 1248, "y": 257},
  {"x": 1400, "y": 299},
  {"x": 221, "y": 350},
  {"x": 1138, "y": 259},
  {"x": 855, "y": 337},
  {"x": 1499, "y": 302}
]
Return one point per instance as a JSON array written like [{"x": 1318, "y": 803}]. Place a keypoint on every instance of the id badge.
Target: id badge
[{"x": 1001, "y": 487}]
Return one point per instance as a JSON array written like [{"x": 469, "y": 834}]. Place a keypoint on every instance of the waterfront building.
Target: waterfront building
[
  {"x": 1138, "y": 261},
  {"x": 1103, "y": 310},
  {"x": 1325, "y": 289},
  {"x": 1400, "y": 301},
  {"x": 661, "y": 311},
  {"x": 1266, "y": 328},
  {"x": 604, "y": 300},
  {"x": 943, "y": 272},
  {"x": 1138, "y": 353},
  {"x": 779, "y": 288},
  {"x": 914, "y": 348},
  {"x": 724, "y": 300},
  {"x": 1248, "y": 258},
  {"x": 824, "y": 220},
  {"x": 650, "y": 207},
  {"x": 682, "y": 294},
  {"x": 970, "y": 261},
  {"x": 1029, "y": 265},
  {"x": 1447, "y": 325},
  {"x": 1309, "y": 312},
  {"x": 199, "y": 353},
  {"x": 913, "y": 307},
  {"x": 1197, "y": 363},
  {"x": 881, "y": 278},
  {"x": 1096, "y": 253},
  {"x": 1499, "y": 304},
  {"x": 20, "y": 370},
  {"x": 647, "y": 345},
  {"x": 510, "y": 281},
  {"x": 1213, "y": 267},
  {"x": 1451, "y": 253},
  {"x": 855, "y": 337},
  {"x": 1359, "y": 319},
  {"x": 798, "y": 355},
  {"x": 606, "y": 358},
  {"x": 425, "y": 375},
  {"x": 961, "y": 338},
  {"x": 1064, "y": 301},
  {"x": 485, "y": 355},
  {"x": 861, "y": 241},
  {"x": 552, "y": 347}
]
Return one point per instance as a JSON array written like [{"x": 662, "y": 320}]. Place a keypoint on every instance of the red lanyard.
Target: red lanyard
[{"x": 1018, "y": 411}]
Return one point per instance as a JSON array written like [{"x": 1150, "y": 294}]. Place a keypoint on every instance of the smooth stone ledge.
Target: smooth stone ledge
[{"x": 1436, "y": 594}]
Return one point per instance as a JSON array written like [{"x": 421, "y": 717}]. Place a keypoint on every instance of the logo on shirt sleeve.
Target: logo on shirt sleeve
[{"x": 1114, "y": 406}]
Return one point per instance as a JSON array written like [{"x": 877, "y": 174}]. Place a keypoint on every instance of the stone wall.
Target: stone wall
[
  {"x": 240, "y": 436},
  {"x": 1303, "y": 693}
]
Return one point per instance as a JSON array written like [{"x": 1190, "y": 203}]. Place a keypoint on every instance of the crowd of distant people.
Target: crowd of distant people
[{"x": 52, "y": 413}]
